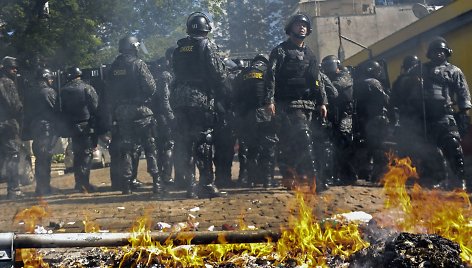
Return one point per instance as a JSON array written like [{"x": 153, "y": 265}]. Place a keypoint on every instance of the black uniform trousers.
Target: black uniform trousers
[
  {"x": 10, "y": 153},
  {"x": 44, "y": 140}
]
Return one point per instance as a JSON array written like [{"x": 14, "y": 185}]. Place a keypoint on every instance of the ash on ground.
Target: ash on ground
[
  {"x": 97, "y": 257},
  {"x": 409, "y": 250}
]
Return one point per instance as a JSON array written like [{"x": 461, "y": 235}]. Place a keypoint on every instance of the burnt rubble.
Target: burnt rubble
[
  {"x": 388, "y": 248},
  {"x": 409, "y": 250}
]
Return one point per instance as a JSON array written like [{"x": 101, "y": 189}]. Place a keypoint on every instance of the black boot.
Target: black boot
[
  {"x": 207, "y": 186},
  {"x": 320, "y": 185},
  {"x": 465, "y": 185},
  {"x": 125, "y": 186},
  {"x": 243, "y": 179},
  {"x": 210, "y": 191},
  {"x": 268, "y": 174},
  {"x": 158, "y": 186},
  {"x": 136, "y": 184},
  {"x": 192, "y": 187},
  {"x": 14, "y": 195},
  {"x": 43, "y": 186},
  {"x": 84, "y": 186}
]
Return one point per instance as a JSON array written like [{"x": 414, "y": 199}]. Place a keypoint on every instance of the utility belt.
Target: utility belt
[
  {"x": 292, "y": 93},
  {"x": 435, "y": 109}
]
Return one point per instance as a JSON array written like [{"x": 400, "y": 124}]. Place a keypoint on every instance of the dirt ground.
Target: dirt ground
[{"x": 259, "y": 207}]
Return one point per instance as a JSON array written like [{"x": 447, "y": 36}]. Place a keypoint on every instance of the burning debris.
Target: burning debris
[
  {"x": 410, "y": 250},
  {"x": 418, "y": 229}
]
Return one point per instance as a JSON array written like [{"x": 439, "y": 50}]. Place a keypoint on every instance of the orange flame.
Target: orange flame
[
  {"x": 448, "y": 214},
  {"x": 90, "y": 226},
  {"x": 307, "y": 241},
  {"x": 30, "y": 217}
]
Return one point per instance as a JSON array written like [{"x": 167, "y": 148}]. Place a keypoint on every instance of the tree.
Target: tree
[
  {"x": 85, "y": 33},
  {"x": 254, "y": 26}
]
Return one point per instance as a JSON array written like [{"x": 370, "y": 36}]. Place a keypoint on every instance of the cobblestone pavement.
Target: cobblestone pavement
[{"x": 259, "y": 207}]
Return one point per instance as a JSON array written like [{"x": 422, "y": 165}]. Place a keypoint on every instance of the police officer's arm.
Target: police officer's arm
[
  {"x": 331, "y": 91},
  {"x": 275, "y": 60},
  {"x": 376, "y": 88},
  {"x": 11, "y": 98},
  {"x": 163, "y": 95},
  {"x": 461, "y": 90},
  {"x": 322, "y": 99},
  {"x": 51, "y": 99},
  {"x": 215, "y": 67},
  {"x": 91, "y": 98},
  {"x": 146, "y": 80}
]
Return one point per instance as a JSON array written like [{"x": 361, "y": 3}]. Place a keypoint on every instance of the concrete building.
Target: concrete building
[{"x": 361, "y": 21}]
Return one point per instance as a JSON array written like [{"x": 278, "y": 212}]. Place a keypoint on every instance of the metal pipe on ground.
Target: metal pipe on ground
[{"x": 68, "y": 240}]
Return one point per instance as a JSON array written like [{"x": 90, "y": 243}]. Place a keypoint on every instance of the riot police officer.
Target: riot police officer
[
  {"x": 408, "y": 124},
  {"x": 255, "y": 127},
  {"x": 293, "y": 92},
  {"x": 442, "y": 81},
  {"x": 79, "y": 103},
  {"x": 372, "y": 119},
  {"x": 10, "y": 114},
  {"x": 199, "y": 76},
  {"x": 341, "y": 111},
  {"x": 323, "y": 133},
  {"x": 225, "y": 135},
  {"x": 164, "y": 116},
  {"x": 43, "y": 119},
  {"x": 128, "y": 95}
]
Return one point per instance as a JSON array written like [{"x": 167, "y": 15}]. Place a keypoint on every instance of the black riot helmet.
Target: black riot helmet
[
  {"x": 198, "y": 23},
  {"x": 298, "y": 17},
  {"x": 129, "y": 45},
  {"x": 260, "y": 57},
  {"x": 330, "y": 64},
  {"x": 73, "y": 72},
  {"x": 372, "y": 69},
  {"x": 438, "y": 43},
  {"x": 9, "y": 62},
  {"x": 239, "y": 63},
  {"x": 44, "y": 74},
  {"x": 410, "y": 61}
]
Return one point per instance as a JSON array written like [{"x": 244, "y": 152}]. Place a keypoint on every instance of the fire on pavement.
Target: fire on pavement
[{"x": 417, "y": 227}]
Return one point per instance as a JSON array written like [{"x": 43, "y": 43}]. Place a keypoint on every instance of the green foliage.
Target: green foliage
[
  {"x": 85, "y": 33},
  {"x": 252, "y": 27},
  {"x": 58, "y": 158}
]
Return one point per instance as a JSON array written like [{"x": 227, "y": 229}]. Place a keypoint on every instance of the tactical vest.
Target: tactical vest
[
  {"x": 8, "y": 98},
  {"x": 436, "y": 88},
  {"x": 252, "y": 85},
  {"x": 124, "y": 82},
  {"x": 291, "y": 79},
  {"x": 188, "y": 60},
  {"x": 74, "y": 102}
]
